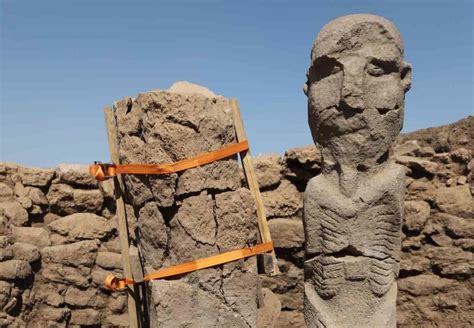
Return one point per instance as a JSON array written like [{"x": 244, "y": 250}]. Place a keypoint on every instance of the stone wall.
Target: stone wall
[
  {"x": 59, "y": 238},
  {"x": 58, "y": 241}
]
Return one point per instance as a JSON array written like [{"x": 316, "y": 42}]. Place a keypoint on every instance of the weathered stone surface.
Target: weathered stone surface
[
  {"x": 353, "y": 210},
  {"x": 36, "y": 177},
  {"x": 235, "y": 215},
  {"x": 25, "y": 252},
  {"x": 14, "y": 269},
  {"x": 416, "y": 214},
  {"x": 418, "y": 164},
  {"x": 410, "y": 148},
  {"x": 82, "y": 226},
  {"x": 82, "y": 253},
  {"x": 49, "y": 294},
  {"x": 75, "y": 174},
  {"x": 64, "y": 199},
  {"x": 6, "y": 193},
  {"x": 85, "y": 317},
  {"x": 269, "y": 311},
  {"x": 109, "y": 260},
  {"x": 287, "y": 233},
  {"x": 193, "y": 214},
  {"x": 283, "y": 201},
  {"x": 423, "y": 285},
  {"x": 31, "y": 235},
  {"x": 303, "y": 163},
  {"x": 455, "y": 200},
  {"x": 290, "y": 319},
  {"x": 84, "y": 298},
  {"x": 15, "y": 213},
  {"x": 267, "y": 169},
  {"x": 66, "y": 275}
]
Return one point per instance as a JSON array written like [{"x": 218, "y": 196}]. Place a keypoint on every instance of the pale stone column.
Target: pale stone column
[
  {"x": 353, "y": 210},
  {"x": 189, "y": 215}
]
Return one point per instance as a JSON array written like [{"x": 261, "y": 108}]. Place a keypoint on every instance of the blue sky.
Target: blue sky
[{"x": 62, "y": 61}]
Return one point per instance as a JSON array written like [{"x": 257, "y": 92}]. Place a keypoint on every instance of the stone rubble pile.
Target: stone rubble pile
[{"x": 58, "y": 236}]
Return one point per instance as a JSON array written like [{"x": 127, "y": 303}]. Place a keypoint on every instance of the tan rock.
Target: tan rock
[
  {"x": 423, "y": 285},
  {"x": 15, "y": 213},
  {"x": 82, "y": 226},
  {"x": 84, "y": 298},
  {"x": 36, "y": 177},
  {"x": 85, "y": 317},
  {"x": 287, "y": 233},
  {"x": 15, "y": 269},
  {"x": 64, "y": 199},
  {"x": 455, "y": 200},
  {"x": 82, "y": 253},
  {"x": 6, "y": 193},
  {"x": 76, "y": 175},
  {"x": 283, "y": 201},
  {"x": 25, "y": 252},
  {"x": 31, "y": 235},
  {"x": 108, "y": 260},
  {"x": 269, "y": 311},
  {"x": 65, "y": 275},
  {"x": 294, "y": 319},
  {"x": 267, "y": 169},
  {"x": 416, "y": 214},
  {"x": 418, "y": 164}
]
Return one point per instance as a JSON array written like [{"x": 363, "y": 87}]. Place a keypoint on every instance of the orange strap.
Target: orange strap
[
  {"x": 103, "y": 171},
  {"x": 114, "y": 283}
]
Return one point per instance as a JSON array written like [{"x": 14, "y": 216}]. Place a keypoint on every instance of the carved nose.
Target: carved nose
[{"x": 351, "y": 94}]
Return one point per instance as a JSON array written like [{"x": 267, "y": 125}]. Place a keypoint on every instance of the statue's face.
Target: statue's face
[{"x": 356, "y": 98}]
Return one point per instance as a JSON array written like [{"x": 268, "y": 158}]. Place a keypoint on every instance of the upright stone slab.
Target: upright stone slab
[
  {"x": 189, "y": 215},
  {"x": 354, "y": 209}
]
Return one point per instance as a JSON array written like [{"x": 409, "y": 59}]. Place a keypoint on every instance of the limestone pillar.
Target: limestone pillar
[
  {"x": 353, "y": 210},
  {"x": 189, "y": 215}
]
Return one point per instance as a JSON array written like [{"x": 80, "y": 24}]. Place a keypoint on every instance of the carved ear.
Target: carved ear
[
  {"x": 405, "y": 75},
  {"x": 306, "y": 84}
]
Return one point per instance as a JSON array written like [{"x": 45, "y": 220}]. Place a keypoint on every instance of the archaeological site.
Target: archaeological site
[{"x": 367, "y": 227}]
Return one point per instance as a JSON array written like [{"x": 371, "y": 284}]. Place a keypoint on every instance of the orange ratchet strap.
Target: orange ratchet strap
[
  {"x": 114, "y": 283},
  {"x": 102, "y": 171}
]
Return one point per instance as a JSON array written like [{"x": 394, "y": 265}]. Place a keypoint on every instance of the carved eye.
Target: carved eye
[
  {"x": 324, "y": 67},
  {"x": 375, "y": 70}
]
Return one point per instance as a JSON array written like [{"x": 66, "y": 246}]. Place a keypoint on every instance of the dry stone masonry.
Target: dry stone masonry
[
  {"x": 193, "y": 214},
  {"x": 353, "y": 210},
  {"x": 42, "y": 285}
]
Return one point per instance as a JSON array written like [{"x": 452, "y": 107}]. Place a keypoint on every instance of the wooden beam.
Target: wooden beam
[
  {"x": 253, "y": 185},
  {"x": 133, "y": 299}
]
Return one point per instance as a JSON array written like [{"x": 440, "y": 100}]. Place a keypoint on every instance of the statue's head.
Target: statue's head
[{"x": 356, "y": 88}]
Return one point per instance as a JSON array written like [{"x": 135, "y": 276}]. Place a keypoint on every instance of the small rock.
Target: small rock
[
  {"x": 31, "y": 235},
  {"x": 76, "y": 175},
  {"x": 15, "y": 269},
  {"x": 65, "y": 275},
  {"x": 76, "y": 254},
  {"x": 84, "y": 298},
  {"x": 416, "y": 214},
  {"x": 82, "y": 226},
  {"x": 283, "y": 201},
  {"x": 455, "y": 200},
  {"x": 423, "y": 284},
  {"x": 267, "y": 169},
  {"x": 85, "y": 317},
  {"x": 287, "y": 233},
  {"x": 108, "y": 260},
  {"x": 25, "y": 252},
  {"x": 6, "y": 193},
  {"x": 417, "y": 164},
  {"x": 410, "y": 147},
  {"x": 36, "y": 177},
  {"x": 15, "y": 213},
  {"x": 269, "y": 311}
]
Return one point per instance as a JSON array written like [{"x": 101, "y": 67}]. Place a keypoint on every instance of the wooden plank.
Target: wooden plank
[
  {"x": 132, "y": 299},
  {"x": 253, "y": 184}
]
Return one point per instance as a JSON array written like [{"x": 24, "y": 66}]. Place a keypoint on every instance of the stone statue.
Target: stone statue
[{"x": 353, "y": 210}]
